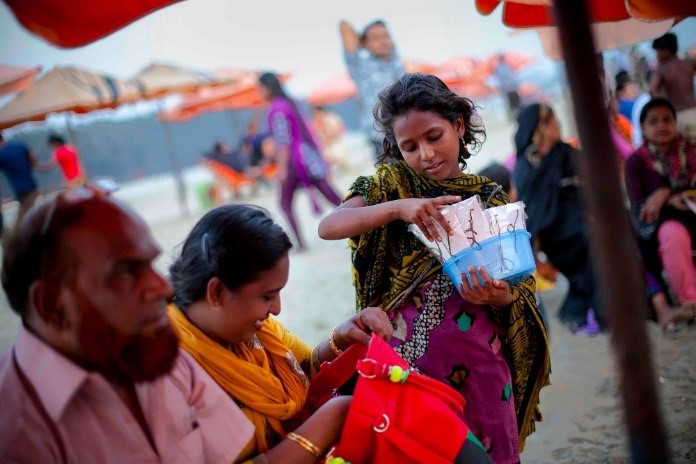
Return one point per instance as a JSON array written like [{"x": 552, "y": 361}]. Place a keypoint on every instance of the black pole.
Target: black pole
[
  {"x": 622, "y": 288},
  {"x": 176, "y": 166}
]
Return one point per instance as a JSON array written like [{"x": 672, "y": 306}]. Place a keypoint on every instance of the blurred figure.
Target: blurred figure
[
  {"x": 17, "y": 163},
  {"x": 641, "y": 100},
  {"x": 66, "y": 157},
  {"x": 222, "y": 153},
  {"x": 507, "y": 84},
  {"x": 674, "y": 79},
  {"x": 329, "y": 129},
  {"x": 545, "y": 274},
  {"x": 547, "y": 182},
  {"x": 255, "y": 144},
  {"x": 626, "y": 93},
  {"x": 372, "y": 62},
  {"x": 501, "y": 176},
  {"x": 300, "y": 163},
  {"x": 659, "y": 176}
]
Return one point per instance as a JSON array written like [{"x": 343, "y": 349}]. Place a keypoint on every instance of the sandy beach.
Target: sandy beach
[{"x": 582, "y": 415}]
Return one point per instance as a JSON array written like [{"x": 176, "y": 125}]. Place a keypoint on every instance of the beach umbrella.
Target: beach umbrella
[
  {"x": 333, "y": 91},
  {"x": 613, "y": 247},
  {"x": 66, "y": 88},
  {"x": 16, "y": 78},
  {"x": 72, "y": 23},
  {"x": 159, "y": 80},
  {"x": 242, "y": 94},
  {"x": 537, "y": 13}
]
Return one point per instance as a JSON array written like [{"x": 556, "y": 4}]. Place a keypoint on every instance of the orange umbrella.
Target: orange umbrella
[
  {"x": 336, "y": 90},
  {"x": 241, "y": 94},
  {"x": 71, "y": 23},
  {"x": 66, "y": 89},
  {"x": 16, "y": 78}
]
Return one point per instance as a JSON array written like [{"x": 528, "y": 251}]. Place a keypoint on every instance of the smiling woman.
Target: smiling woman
[{"x": 227, "y": 285}]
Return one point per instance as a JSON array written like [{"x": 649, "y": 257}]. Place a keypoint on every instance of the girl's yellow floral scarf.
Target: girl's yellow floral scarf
[
  {"x": 264, "y": 380},
  {"x": 389, "y": 259}
]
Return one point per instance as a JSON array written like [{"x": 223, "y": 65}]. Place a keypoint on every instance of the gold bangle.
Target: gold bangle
[
  {"x": 332, "y": 343},
  {"x": 314, "y": 365},
  {"x": 310, "y": 447}
]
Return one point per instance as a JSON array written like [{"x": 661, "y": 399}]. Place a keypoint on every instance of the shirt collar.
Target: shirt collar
[{"x": 55, "y": 378}]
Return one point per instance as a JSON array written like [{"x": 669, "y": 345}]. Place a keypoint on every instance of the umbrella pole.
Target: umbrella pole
[
  {"x": 176, "y": 166},
  {"x": 620, "y": 278}
]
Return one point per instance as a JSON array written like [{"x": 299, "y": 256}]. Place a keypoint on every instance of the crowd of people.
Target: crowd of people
[{"x": 114, "y": 362}]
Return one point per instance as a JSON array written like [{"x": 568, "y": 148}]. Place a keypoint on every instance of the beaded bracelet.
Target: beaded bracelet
[
  {"x": 332, "y": 343},
  {"x": 310, "y": 447}
]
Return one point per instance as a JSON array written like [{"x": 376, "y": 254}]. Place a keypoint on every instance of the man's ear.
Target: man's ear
[
  {"x": 214, "y": 291},
  {"x": 46, "y": 299}
]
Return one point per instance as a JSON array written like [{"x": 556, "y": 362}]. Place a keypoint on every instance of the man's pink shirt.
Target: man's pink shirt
[{"x": 190, "y": 418}]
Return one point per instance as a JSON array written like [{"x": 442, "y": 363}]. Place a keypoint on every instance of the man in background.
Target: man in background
[
  {"x": 372, "y": 63},
  {"x": 18, "y": 163},
  {"x": 674, "y": 79}
]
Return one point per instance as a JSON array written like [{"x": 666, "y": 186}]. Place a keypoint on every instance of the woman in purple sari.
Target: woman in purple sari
[{"x": 298, "y": 157}]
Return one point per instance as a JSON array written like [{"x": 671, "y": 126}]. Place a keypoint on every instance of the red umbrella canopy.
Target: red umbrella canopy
[
  {"x": 537, "y": 13},
  {"x": 16, "y": 78},
  {"x": 72, "y": 23}
]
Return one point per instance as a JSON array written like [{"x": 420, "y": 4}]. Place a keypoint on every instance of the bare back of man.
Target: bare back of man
[{"x": 674, "y": 80}]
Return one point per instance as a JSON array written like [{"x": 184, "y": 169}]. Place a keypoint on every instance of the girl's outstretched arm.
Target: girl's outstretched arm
[{"x": 353, "y": 217}]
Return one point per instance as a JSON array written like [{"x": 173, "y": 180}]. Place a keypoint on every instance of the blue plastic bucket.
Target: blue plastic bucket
[{"x": 507, "y": 257}]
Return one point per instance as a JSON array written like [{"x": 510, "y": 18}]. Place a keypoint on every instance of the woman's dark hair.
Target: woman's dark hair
[
  {"x": 666, "y": 42},
  {"x": 656, "y": 103},
  {"x": 498, "y": 174},
  {"x": 56, "y": 139},
  {"x": 235, "y": 243},
  {"x": 272, "y": 83},
  {"x": 422, "y": 92}
]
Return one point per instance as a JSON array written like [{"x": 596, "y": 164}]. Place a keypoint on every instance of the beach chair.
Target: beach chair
[{"x": 232, "y": 179}]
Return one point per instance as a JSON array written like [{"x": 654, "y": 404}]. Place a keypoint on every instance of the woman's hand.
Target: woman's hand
[
  {"x": 425, "y": 213},
  {"x": 361, "y": 326},
  {"x": 676, "y": 201},
  {"x": 650, "y": 210},
  {"x": 493, "y": 292}
]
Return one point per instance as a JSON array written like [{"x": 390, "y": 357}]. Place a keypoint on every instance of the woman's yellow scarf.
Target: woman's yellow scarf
[{"x": 265, "y": 380}]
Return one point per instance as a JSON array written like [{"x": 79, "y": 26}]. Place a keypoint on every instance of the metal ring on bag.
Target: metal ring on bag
[
  {"x": 367, "y": 376},
  {"x": 381, "y": 427}
]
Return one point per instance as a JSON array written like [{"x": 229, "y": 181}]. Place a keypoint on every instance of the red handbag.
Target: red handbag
[{"x": 396, "y": 415}]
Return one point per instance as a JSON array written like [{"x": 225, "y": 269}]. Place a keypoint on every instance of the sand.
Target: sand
[{"x": 582, "y": 416}]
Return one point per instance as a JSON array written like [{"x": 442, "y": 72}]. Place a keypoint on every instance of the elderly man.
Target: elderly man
[{"x": 95, "y": 373}]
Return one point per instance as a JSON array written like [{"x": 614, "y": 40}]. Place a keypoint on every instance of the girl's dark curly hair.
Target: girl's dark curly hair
[{"x": 422, "y": 92}]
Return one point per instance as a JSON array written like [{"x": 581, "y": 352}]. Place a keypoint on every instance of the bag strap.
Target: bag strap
[
  {"x": 34, "y": 397},
  {"x": 333, "y": 374}
]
